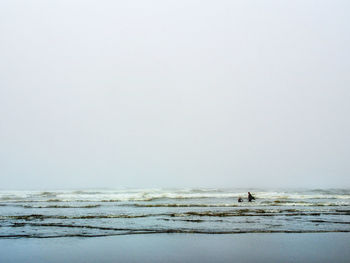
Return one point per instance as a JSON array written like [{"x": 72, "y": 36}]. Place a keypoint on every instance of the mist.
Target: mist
[{"x": 166, "y": 93}]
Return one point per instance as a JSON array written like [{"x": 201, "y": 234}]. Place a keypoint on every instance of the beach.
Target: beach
[
  {"x": 174, "y": 131},
  {"x": 175, "y": 225},
  {"x": 277, "y": 247}
]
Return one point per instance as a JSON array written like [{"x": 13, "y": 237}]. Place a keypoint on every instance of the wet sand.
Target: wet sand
[{"x": 312, "y": 247}]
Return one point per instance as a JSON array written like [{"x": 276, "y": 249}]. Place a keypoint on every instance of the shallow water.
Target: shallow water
[
  {"x": 88, "y": 213},
  {"x": 252, "y": 247}
]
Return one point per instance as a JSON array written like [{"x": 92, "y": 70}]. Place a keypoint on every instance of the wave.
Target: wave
[
  {"x": 167, "y": 231},
  {"x": 330, "y": 222},
  {"x": 47, "y": 194},
  {"x": 32, "y": 217},
  {"x": 149, "y": 195},
  {"x": 150, "y": 229},
  {"x": 182, "y": 205},
  {"x": 232, "y": 213},
  {"x": 61, "y": 206}
]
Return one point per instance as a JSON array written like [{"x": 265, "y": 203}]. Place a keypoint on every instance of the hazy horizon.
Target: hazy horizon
[
  {"x": 253, "y": 190},
  {"x": 151, "y": 94}
]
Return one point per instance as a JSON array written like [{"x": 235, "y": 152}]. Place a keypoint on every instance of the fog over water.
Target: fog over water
[{"x": 180, "y": 93}]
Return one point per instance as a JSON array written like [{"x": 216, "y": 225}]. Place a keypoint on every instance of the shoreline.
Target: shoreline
[
  {"x": 175, "y": 232},
  {"x": 245, "y": 247}
]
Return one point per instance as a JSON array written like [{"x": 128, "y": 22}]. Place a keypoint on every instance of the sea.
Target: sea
[{"x": 108, "y": 212}]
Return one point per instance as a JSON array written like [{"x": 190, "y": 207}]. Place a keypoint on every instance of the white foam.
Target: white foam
[{"x": 158, "y": 194}]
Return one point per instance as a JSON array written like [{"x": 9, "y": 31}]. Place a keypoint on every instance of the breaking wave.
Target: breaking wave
[{"x": 89, "y": 213}]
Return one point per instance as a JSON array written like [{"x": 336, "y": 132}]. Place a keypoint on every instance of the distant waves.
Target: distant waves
[{"x": 87, "y": 213}]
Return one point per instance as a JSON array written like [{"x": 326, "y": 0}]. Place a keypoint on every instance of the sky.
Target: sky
[{"x": 185, "y": 93}]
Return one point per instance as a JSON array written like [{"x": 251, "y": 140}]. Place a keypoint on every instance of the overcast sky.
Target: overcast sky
[{"x": 185, "y": 93}]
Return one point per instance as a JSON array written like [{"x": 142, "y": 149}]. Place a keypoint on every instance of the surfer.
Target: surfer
[
  {"x": 240, "y": 200},
  {"x": 250, "y": 197}
]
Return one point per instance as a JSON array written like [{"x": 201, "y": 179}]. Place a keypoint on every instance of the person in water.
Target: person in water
[
  {"x": 250, "y": 197},
  {"x": 240, "y": 200}
]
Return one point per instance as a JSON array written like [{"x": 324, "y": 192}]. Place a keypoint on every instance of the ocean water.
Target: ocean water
[{"x": 89, "y": 213}]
